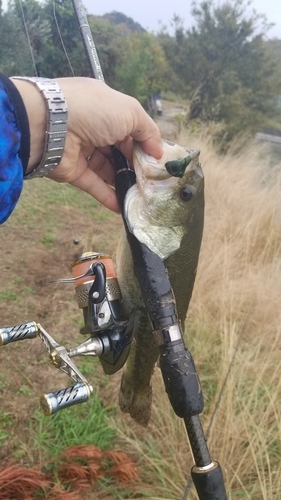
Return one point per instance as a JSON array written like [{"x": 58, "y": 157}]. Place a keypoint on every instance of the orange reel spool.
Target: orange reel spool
[{"x": 81, "y": 266}]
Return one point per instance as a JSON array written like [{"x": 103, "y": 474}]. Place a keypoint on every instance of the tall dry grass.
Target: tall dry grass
[
  {"x": 234, "y": 320},
  {"x": 235, "y": 312}
]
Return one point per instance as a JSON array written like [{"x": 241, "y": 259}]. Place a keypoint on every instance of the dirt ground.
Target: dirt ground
[
  {"x": 37, "y": 248},
  {"x": 166, "y": 122}
]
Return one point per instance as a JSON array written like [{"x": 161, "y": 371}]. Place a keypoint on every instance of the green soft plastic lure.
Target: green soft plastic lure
[{"x": 176, "y": 168}]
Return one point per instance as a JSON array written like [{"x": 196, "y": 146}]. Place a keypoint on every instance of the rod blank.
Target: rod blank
[{"x": 88, "y": 41}]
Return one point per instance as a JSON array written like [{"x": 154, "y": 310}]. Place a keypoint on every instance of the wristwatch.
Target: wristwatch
[{"x": 56, "y": 124}]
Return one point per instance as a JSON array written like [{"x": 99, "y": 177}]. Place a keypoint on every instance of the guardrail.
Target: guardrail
[{"x": 268, "y": 137}]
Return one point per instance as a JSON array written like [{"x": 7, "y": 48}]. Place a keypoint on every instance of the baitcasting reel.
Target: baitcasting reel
[{"x": 98, "y": 294}]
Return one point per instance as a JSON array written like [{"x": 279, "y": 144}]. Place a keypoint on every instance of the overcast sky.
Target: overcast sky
[{"x": 149, "y": 12}]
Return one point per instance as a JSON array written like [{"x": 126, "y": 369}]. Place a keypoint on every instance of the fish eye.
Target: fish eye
[{"x": 186, "y": 194}]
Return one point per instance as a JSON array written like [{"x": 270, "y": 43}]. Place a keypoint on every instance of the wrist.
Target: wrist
[
  {"x": 55, "y": 128},
  {"x": 37, "y": 117}
]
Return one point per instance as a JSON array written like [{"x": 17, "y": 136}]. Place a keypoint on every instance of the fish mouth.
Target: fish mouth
[
  {"x": 160, "y": 205},
  {"x": 159, "y": 170}
]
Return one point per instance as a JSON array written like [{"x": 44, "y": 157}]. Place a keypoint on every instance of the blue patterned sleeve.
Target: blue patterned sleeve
[{"x": 11, "y": 169}]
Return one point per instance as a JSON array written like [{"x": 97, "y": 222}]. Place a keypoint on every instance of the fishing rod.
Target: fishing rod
[
  {"x": 99, "y": 296},
  {"x": 176, "y": 363}
]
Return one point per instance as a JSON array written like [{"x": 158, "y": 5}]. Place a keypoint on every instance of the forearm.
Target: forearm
[{"x": 14, "y": 146}]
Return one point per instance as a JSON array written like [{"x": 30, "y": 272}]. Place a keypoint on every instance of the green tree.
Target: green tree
[
  {"x": 143, "y": 71},
  {"x": 14, "y": 52},
  {"x": 36, "y": 27},
  {"x": 49, "y": 35},
  {"x": 121, "y": 20},
  {"x": 64, "y": 55},
  {"x": 108, "y": 39},
  {"x": 224, "y": 66}
]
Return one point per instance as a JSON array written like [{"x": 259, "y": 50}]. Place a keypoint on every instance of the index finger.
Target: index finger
[{"x": 147, "y": 133}]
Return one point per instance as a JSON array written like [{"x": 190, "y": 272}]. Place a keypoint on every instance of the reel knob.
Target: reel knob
[
  {"x": 58, "y": 400},
  {"x": 10, "y": 334}
]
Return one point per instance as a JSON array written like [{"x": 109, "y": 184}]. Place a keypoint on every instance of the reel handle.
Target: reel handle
[
  {"x": 24, "y": 331},
  {"x": 58, "y": 400}
]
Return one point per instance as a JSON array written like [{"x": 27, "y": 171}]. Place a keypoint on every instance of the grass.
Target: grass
[
  {"x": 85, "y": 424},
  {"x": 6, "y": 422},
  {"x": 175, "y": 98},
  {"x": 3, "y": 381},
  {"x": 48, "y": 239},
  {"x": 234, "y": 318},
  {"x": 8, "y": 296}
]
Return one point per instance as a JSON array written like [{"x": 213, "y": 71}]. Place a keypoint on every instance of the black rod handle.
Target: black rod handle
[
  {"x": 182, "y": 385},
  {"x": 209, "y": 482}
]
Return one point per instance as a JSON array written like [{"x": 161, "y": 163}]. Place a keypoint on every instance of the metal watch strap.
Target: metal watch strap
[{"x": 56, "y": 125}]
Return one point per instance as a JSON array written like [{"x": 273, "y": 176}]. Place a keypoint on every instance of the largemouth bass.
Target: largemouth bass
[{"x": 166, "y": 213}]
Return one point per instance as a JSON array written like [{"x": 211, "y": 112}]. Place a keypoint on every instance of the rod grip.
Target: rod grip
[
  {"x": 181, "y": 380},
  {"x": 10, "y": 334},
  {"x": 209, "y": 483},
  {"x": 58, "y": 400}
]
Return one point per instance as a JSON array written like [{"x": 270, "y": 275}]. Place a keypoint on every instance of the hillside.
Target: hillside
[{"x": 122, "y": 21}]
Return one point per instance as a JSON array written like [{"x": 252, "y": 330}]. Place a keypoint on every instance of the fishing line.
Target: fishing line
[
  {"x": 73, "y": 74},
  {"x": 89, "y": 236},
  {"x": 218, "y": 402},
  {"x": 63, "y": 187},
  {"x": 67, "y": 211},
  {"x": 61, "y": 38},
  {"x": 28, "y": 38}
]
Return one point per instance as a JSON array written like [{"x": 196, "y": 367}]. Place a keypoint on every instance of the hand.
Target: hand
[{"x": 98, "y": 117}]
